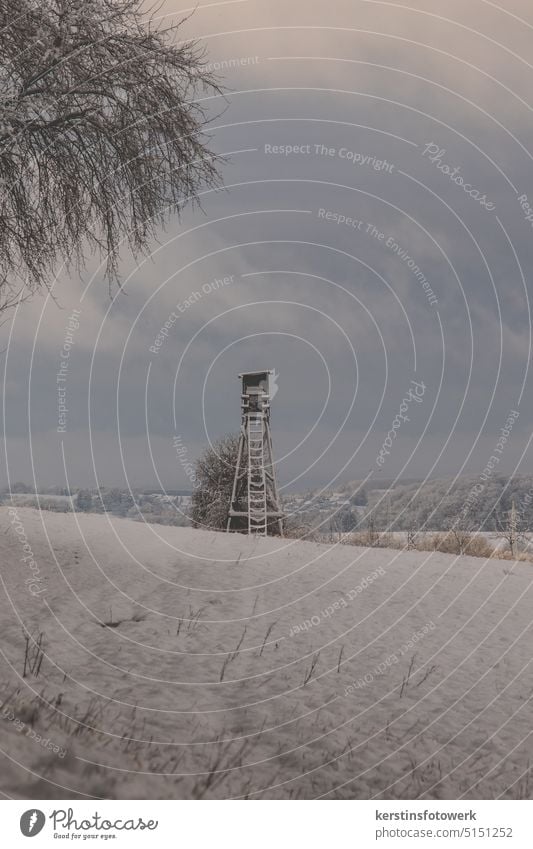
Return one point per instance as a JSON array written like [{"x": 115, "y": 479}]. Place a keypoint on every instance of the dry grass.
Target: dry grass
[
  {"x": 33, "y": 654},
  {"x": 78, "y": 729},
  {"x": 447, "y": 542}
]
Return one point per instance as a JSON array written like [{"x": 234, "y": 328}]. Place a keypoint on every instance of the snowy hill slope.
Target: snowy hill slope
[{"x": 186, "y": 664}]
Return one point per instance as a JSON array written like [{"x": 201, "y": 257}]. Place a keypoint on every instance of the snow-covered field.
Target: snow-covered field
[{"x": 187, "y": 664}]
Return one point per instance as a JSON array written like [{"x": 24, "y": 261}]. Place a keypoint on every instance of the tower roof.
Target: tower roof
[{"x": 256, "y": 373}]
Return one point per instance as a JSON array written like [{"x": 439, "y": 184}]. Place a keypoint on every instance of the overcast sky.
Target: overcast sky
[{"x": 413, "y": 122}]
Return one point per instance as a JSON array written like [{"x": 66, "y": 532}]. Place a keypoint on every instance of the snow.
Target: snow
[{"x": 263, "y": 668}]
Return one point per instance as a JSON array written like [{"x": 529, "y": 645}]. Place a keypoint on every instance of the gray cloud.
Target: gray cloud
[{"x": 459, "y": 86}]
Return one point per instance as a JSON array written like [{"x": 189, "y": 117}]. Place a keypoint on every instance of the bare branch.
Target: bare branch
[{"x": 102, "y": 133}]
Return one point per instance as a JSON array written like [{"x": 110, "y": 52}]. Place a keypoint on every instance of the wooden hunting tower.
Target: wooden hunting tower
[{"x": 255, "y": 504}]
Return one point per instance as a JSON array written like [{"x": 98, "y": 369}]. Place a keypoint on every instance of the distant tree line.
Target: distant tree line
[{"x": 468, "y": 503}]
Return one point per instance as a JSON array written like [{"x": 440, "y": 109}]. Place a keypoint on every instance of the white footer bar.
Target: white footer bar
[{"x": 355, "y": 824}]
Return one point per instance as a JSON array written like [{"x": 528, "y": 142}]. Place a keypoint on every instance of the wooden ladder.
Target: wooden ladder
[{"x": 257, "y": 502}]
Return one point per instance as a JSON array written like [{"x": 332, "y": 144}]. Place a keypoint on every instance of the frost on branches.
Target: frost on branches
[{"x": 101, "y": 132}]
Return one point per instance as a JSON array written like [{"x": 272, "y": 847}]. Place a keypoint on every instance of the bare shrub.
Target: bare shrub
[
  {"x": 370, "y": 538},
  {"x": 500, "y": 554},
  {"x": 294, "y": 529},
  {"x": 214, "y": 473},
  {"x": 473, "y": 545},
  {"x": 479, "y": 547}
]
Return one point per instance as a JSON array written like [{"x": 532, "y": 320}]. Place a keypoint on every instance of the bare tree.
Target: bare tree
[
  {"x": 511, "y": 527},
  {"x": 214, "y": 473},
  {"x": 412, "y": 534},
  {"x": 371, "y": 535},
  {"x": 459, "y": 532},
  {"x": 101, "y": 133}
]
